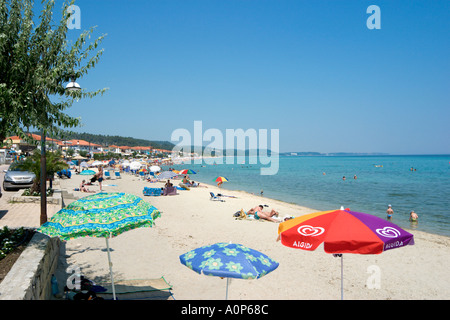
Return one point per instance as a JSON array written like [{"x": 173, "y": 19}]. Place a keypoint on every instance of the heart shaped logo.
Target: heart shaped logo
[
  {"x": 309, "y": 231},
  {"x": 388, "y": 232}
]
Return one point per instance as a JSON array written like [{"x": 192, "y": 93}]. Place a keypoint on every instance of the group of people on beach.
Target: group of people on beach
[
  {"x": 97, "y": 177},
  {"x": 189, "y": 183},
  {"x": 413, "y": 217}
]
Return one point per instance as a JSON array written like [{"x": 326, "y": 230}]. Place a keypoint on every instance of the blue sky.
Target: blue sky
[{"x": 311, "y": 69}]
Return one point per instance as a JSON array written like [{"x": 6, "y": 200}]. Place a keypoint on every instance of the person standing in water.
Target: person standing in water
[
  {"x": 389, "y": 212},
  {"x": 413, "y": 217}
]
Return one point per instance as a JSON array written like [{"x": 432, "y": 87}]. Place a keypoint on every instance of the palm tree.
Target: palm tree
[{"x": 54, "y": 164}]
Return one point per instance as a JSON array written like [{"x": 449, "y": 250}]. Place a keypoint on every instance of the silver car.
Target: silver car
[{"x": 17, "y": 179}]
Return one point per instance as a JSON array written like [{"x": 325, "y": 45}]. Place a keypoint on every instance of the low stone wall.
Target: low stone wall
[
  {"x": 30, "y": 277},
  {"x": 55, "y": 199}
]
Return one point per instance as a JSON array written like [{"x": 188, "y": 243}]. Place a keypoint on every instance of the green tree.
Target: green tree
[
  {"x": 83, "y": 153},
  {"x": 36, "y": 62},
  {"x": 70, "y": 152},
  {"x": 54, "y": 163}
]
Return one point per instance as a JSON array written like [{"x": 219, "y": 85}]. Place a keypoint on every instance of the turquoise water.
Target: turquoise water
[{"x": 301, "y": 180}]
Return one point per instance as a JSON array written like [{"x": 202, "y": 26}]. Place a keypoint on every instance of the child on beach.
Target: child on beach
[{"x": 83, "y": 187}]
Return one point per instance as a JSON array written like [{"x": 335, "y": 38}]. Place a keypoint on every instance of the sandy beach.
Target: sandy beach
[{"x": 190, "y": 220}]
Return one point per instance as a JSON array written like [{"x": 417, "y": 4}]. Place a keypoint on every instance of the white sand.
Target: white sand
[{"x": 190, "y": 220}]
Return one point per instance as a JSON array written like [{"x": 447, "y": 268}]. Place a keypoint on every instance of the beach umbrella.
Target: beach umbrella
[
  {"x": 221, "y": 179},
  {"x": 343, "y": 231},
  {"x": 228, "y": 260},
  {"x": 84, "y": 164},
  {"x": 79, "y": 158},
  {"x": 87, "y": 172},
  {"x": 155, "y": 168},
  {"x": 96, "y": 163},
  {"x": 102, "y": 215},
  {"x": 187, "y": 171},
  {"x": 167, "y": 175},
  {"x": 135, "y": 165}
]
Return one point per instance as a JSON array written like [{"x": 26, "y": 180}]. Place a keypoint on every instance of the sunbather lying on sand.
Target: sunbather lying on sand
[
  {"x": 259, "y": 214},
  {"x": 196, "y": 184}
]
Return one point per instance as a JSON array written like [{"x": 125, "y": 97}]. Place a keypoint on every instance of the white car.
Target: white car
[{"x": 17, "y": 179}]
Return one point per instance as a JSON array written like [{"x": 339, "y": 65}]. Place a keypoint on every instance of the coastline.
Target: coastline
[
  {"x": 374, "y": 189},
  {"x": 190, "y": 220}
]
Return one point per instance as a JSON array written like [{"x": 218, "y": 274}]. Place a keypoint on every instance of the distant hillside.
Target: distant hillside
[{"x": 106, "y": 140}]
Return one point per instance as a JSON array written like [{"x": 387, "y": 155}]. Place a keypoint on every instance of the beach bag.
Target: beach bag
[{"x": 93, "y": 179}]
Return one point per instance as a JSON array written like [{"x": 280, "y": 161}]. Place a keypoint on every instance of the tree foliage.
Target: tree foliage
[
  {"x": 54, "y": 163},
  {"x": 36, "y": 62},
  {"x": 107, "y": 140}
]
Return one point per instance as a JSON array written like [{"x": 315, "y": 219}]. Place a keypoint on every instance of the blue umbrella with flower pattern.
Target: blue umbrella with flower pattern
[{"x": 229, "y": 260}]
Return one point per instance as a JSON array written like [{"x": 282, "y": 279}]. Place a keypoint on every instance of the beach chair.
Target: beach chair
[
  {"x": 215, "y": 198},
  {"x": 117, "y": 174},
  {"x": 107, "y": 174}
]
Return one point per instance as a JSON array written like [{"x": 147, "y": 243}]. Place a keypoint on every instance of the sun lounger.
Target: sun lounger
[
  {"x": 117, "y": 174},
  {"x": 107, "y": 174},
  {"x": 215, "y": 198}
]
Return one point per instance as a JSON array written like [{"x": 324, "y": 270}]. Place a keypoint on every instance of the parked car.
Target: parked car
[{"x": 17, "y": 179}]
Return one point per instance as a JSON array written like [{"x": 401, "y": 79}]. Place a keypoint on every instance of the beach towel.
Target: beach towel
[
  {"x": 169, "y": 191},
  {"x": 152, "y": 191}
]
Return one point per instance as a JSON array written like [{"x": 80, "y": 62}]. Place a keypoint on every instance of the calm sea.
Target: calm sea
[{"x": 317, "y": 182}]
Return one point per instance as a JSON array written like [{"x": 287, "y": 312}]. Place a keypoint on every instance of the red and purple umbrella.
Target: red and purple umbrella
[{"x": 343, "y": 231}]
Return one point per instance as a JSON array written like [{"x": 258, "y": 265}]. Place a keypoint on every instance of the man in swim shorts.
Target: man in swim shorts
[{"x": 389, "y": 212}]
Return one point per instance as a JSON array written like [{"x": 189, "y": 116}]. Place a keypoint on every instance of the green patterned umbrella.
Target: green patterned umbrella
[
  {"x": 101, "y": 215},
  {"x": 229, "y": 260}
]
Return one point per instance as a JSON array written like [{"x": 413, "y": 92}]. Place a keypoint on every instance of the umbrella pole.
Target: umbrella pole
[
  {"x": 110, "y": 269},
  {"x": 342, "y": 277},
  {"x": 226, "y": 295}
]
